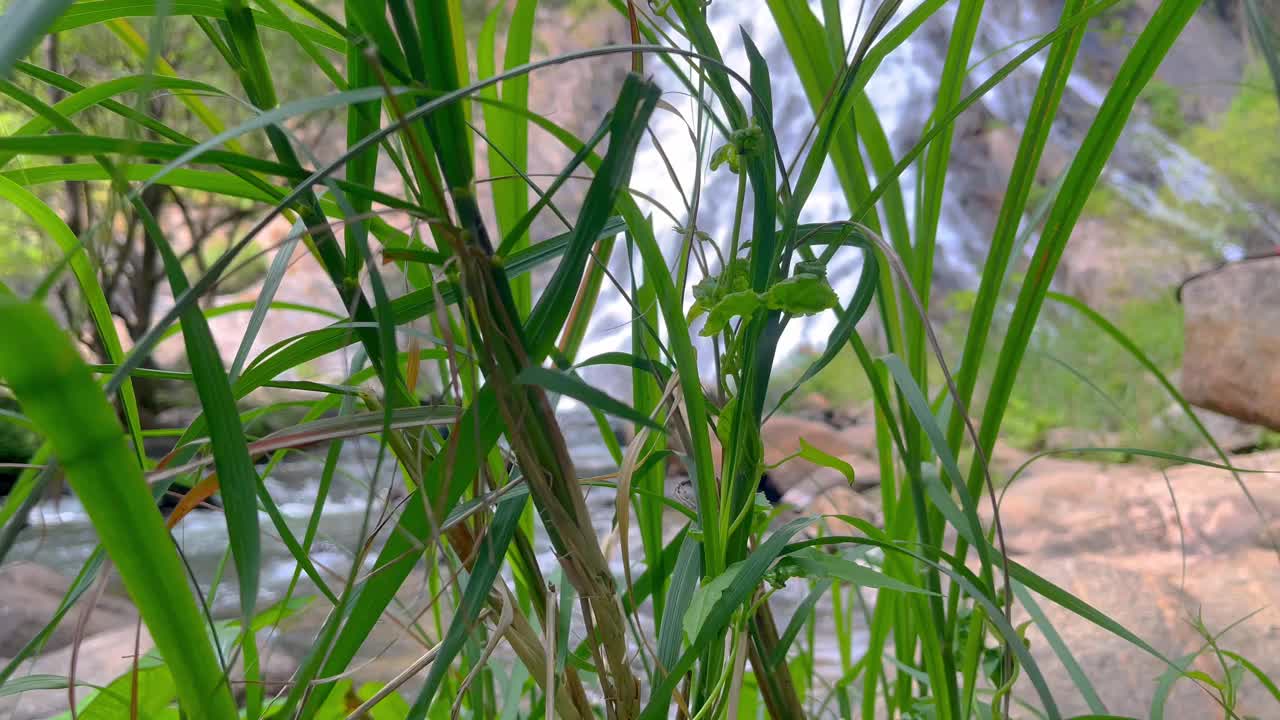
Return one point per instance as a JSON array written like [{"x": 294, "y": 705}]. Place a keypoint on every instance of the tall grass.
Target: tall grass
[{"x": 412, "y": 89}]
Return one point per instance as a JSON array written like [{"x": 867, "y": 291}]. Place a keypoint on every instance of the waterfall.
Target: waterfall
[{"x": 903, "y": 91}]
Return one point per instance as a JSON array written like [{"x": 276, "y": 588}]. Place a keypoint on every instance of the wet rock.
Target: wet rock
[
  {"x": 1232, "y": 325},
  {"x": 31, "y": 595}
]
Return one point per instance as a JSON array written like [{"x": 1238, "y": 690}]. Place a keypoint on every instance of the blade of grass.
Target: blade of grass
[
  {"x": 54, "y": 385},
  {"x": 474, "y": 598},
  {"x": 574, "y": 387},
  {"x": 1060, "y": 649},
  {"x": 23, "y": 25}
]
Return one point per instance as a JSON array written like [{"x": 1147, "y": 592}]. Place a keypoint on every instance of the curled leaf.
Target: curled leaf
[
  {"x": 738, "y": 304},
  {"x": 802, "y": 294}
]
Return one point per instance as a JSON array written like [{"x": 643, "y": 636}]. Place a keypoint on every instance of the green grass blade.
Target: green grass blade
[
  {"x": 685, "y": 358},
  {"x": 508, "y": 132},
  {"x": 97, "y": 12},
  {"x": 237, "y": 479},
  {"x": 476, "y": 595},
  {"x": 270, "y": 285},
  {"x": 574, "y": 387},
  {"x": 91, "y": 290},
  {"x": 684, "y": 579},
  {"x": 744, "y": 583},
  {"x": 1140, "y": 65},
  {"x": 23, "y": 25},
  {"x": 636, "y": 102},
  {"x": 1060, "y": 649},
  {"x": 55, "y": 386},
  {"x": 934, "y": 172},
  {"x": 1257, "y": 672},
  {"x": 1022, "y": 177},
  {"x": 1266, "y": 38}
]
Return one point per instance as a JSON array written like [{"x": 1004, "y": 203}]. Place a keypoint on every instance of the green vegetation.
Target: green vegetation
[
  {"x": 1244, "y": 142},
  {"x": 1164, "y": 102},
  {"x": 691, "y": 624}
]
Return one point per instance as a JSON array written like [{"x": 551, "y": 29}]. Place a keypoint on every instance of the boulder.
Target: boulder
[
  {"x": 1148, "y": 604},
  {"x": 1111, "y": 535},
  {"x": 1071, "y": 507},
  {"x": 30, "y": 598},
  {"x": 1232, "y": 324}
]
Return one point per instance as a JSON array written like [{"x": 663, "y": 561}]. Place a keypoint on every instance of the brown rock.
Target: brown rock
[
  {"x": 1111, "y": 535},
  {"x": 1077, "y": 507},
  {"x": 1124, "y": 676},
  {"x": 1104, "y": 266},
  {"x": 1149, "y": 595},
  {"x": 781, "y": 438},
  {"x": 30, "y": 595},
  {"x": 1232, "y": 322},
  {"x": 101, "y": 659}
]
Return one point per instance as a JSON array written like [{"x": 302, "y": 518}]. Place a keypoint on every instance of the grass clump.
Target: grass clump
[{"x": 691, "y": 624}]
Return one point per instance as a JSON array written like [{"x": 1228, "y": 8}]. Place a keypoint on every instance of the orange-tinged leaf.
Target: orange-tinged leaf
[{"x": 196, "y": 495}]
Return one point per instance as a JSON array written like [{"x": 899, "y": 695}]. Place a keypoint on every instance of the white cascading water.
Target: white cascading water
[{"x": 903, "y": 91}]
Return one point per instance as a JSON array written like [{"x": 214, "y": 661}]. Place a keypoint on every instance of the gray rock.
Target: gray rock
[{"x": 1232, "y": 322}]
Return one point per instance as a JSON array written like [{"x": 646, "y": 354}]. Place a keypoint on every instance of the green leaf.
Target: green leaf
[
  {"x": 741, "y": 587},
  {"x": 27, "y": 683},
  {"x": 153, "y": 687},
  {"x": 814, "y": 563},
  {"x": 574, "y": 387},
  {"x": 736, "y": 304},
  {"x": 802, "y": 294},
  {"x": 60, "y": 395},
  {"x": 704, "y": 600},
  {"x": 684, "y": 583},
  {"x": 818, "y": 457},
  {"x": 23, "y": 25},
  {"x": 391, "y": 707}
]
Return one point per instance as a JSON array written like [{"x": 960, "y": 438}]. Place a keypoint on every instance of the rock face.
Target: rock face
[
  {"x": 101, "y": 659},
  {"x": 30, "y": 597},
  {"x": 1110, "y": 535},
  {"x": 1106, "y": 267},
  {"x": 1232, "y": 341}
]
